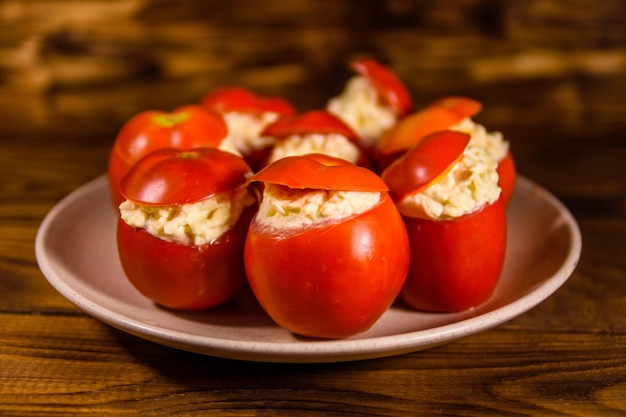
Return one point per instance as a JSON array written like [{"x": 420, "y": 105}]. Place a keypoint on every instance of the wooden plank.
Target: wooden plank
[{"x": 76, "y": 365}]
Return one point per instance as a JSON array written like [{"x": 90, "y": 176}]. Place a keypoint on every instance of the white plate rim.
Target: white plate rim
[{"x": 308, "y": 351}]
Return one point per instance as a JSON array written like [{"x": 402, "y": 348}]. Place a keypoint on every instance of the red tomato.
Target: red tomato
[
  {"x": 455, "y": 264},
  {"x": 336, "y": 278},
  {"x": 172, "y": 274},
  {"x": 183, "y": 277},
  {"x": 186, "y": 127},
  {"x": 170, "y": 176},
  {"x": 386, "y": 82},
  {"x": 315, "y": 122},
  {"x": 229, "y": 99}
]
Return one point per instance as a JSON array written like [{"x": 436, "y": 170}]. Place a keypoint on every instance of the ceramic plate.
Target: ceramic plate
[{"x": 77, "y": 253}]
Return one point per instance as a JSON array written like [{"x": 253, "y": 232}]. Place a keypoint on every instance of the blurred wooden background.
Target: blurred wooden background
[
  {"x": 93, "y": 64},
  {"x": 552, "y": 77}
]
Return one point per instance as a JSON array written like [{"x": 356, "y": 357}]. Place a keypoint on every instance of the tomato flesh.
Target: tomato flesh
[
  {"x": 333, "y": 280},
  {"x": 455, "y": 264}
]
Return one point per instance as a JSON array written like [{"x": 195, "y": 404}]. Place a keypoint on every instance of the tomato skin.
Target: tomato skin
[
  {"x": 507, "y": 175},
  {"x": 184, "y": 277},
  {"x": 186, "y": 127},
  {"x": 332, "y": 280},
  {"x": 455, "y": 264}
]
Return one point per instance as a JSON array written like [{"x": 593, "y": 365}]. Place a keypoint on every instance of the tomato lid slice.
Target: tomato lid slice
[
  {"x": 425, "y": 163},
  {"x": 439, "y": 115},
  {"x": 386, "y": 83},
  {"x": 463, "y": 106},
  {"x": 311, "y": 122},
  {"x": 170, "y": 176},
  {"x": 320, "y": 172},
  {"x": 229, "y": 99}
]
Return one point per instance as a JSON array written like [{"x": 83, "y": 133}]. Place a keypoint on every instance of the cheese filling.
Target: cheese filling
[
  {"x": 360, "y": 107},
  {"x": 192, "y": 224},
  {"x": 283, "y": 208},
  {"x": 332, "y": 144},
  {"x": 470, "y": 184},
  {"x": 493, "y": 142},
  {"x": 244, "y": 130}
]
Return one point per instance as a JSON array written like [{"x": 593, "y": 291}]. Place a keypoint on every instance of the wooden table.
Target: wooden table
[{"x": 68, "y": 88}]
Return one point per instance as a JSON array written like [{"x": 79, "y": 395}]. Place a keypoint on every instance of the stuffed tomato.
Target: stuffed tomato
[
  {"x": 327, "y": 253},
  {"x": 447, "y": 191},
  {"x": 449, "y": 113},
  {"x": 247, "y": 115},
  {"x": 372, "y": 101},
  {"x": 183, "y": 224},
  {"x": 315, "y": 131}
]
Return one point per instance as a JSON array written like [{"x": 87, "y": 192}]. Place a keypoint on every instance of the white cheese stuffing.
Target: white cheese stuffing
[
  {"x": 332, "y": 144},
  {"x": 283, "y": 208},
  {"x": 493, "y": 142},
  {"x": 360, "y": 107},
  {"x": 190, "y": 224},
  {"x": 470, "y": 184},
  {"x": 245, "y": 130}
]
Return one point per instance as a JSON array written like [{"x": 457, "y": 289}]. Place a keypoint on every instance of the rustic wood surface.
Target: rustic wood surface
[{"x": 552, "y": 77}]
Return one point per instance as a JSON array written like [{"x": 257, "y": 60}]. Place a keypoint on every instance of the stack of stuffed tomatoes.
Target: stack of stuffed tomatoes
[{"x": 329, "y": 216}]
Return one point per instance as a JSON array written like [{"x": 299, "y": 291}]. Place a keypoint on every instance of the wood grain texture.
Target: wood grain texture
[
  {"x": 81, "y": 366},
  {"x": 552, "y": 77}
]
